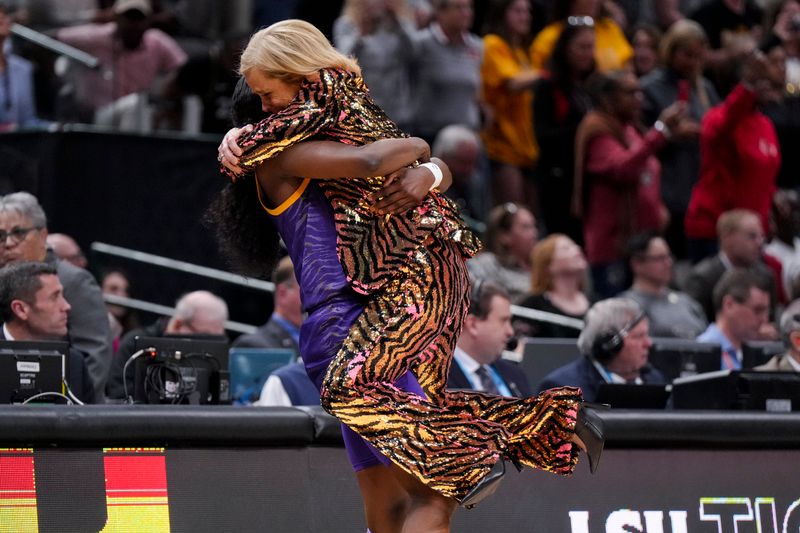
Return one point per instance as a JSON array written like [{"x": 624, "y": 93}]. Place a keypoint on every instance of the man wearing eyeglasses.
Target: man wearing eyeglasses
[
  {"x": 741, "y": 300},
  {"x": 672, "y": 313},
  {"x": 23, "y": 235}
]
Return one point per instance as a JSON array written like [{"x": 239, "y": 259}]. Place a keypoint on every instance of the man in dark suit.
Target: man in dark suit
[
  {"x": 477, "y": 362},
  {"x": 615, "y": 344},
  {"x": 33, "y": 308},
  {"x": 282, "y": 330},
  {"x": 23, "y": 228},
  {"x": 741, "y": 239}
]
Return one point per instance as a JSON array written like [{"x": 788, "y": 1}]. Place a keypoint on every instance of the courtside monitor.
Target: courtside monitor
[
  {"x": 739, "y": 390},
  {"x": 757, "y": 353},
  {"x": 542, "y": 355},
  {"x": 181, "y": 370},
  {"x": 677, "y": 358},
  {"x": 31, "y": 369}
]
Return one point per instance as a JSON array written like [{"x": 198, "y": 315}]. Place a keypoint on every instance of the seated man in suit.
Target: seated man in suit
[
  {"x": 33, "y": 308},
  {"x": 282, "y": 330},
  {"x": 477, "y": 362},
  {"x": 742, "y": 303},
  {"x": 615, "y": 343},
  {"x": 790, "y": 332},
  {"x": 741, "y": 242},
  {"x": 23, "y": 229}
]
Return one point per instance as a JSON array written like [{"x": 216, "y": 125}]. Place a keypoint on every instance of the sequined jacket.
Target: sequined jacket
[{"x": 371, "y": 248}]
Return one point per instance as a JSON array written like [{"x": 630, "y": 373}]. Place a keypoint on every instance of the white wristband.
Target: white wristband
[{"x": 437, "y": 174}]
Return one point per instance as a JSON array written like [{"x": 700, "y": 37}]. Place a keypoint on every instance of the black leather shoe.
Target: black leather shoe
[
  {"x": 486, "y": 486},
  {"x": 590, "y": 429}
]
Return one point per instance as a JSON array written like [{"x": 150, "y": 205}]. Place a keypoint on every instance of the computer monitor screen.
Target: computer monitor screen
[
  {"x": 541, "y": 356},
  {"x": 182, "y": 370},
  {"x": 757, "y": 353},
  {"x": 250, "y": 368},
  {"x": 31, "y": 369},
  {"x": 739, "y": 389},
  {"x": 677, "y": 358}
]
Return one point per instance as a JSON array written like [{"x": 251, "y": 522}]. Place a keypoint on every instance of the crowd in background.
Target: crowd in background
[{"x": 603, "y": 148}]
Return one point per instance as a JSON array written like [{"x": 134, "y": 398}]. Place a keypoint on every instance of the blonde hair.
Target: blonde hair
[
  {"x": 292, "y": 49},
  {"x": 678, "y": 35}
]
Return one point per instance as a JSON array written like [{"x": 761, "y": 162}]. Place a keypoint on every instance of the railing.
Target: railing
[
  {"x": 544, "y": 316},
  {"x": 267, "y": 286},
  {"x": 158, "y": 309},
  {"x": 53, "y": 45},
  {"x": 182, "y": 266}
]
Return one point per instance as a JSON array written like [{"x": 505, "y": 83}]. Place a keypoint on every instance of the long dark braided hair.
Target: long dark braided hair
[{"x": 246, "y": 237}]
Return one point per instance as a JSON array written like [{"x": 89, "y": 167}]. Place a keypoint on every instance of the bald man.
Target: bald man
[{"x": 196, "y": 313}]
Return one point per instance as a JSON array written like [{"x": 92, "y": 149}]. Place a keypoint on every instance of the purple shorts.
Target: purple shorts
[{"x": 361, "y": 453}]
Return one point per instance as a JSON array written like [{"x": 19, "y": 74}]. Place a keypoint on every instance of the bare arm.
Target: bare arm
[{"x": 331, "y": 159}]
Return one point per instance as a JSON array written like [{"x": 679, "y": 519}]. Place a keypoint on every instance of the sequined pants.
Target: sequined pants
[{"x": 451, "y": 439}]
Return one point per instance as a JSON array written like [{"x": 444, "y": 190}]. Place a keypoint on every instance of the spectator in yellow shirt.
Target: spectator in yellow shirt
[
  {"x": 507, "y": 79},
  {"x": 612, "y": 49}
]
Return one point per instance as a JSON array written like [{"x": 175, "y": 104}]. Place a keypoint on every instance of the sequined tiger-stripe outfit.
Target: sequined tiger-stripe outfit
[{"x": 412, "y": 268}]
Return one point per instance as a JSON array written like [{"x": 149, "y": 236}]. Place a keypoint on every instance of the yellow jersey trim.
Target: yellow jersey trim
[{"x": 286, "y": 203}]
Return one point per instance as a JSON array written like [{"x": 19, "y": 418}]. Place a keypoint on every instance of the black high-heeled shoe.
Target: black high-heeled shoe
[
  {"x": 486, "y": 486},
  {"x": 590, "y": 428}
]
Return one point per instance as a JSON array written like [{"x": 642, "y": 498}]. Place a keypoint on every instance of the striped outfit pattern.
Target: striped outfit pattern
[{"x": 411, "y": 269}]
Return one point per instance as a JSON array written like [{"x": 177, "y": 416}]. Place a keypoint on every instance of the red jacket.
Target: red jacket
[
  {"x": 624, "y": 192},
  {"x": 740, "y": 162}
]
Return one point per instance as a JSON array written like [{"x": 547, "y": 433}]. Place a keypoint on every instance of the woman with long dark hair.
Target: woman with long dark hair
[{"x": 559, "y": 104}]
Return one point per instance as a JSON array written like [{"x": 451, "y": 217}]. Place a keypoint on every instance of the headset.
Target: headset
[
  {"x": 607, "y": 345},
  {"x": 475, "y": 298}
]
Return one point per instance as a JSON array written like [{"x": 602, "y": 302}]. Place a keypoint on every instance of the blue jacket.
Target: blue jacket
[{"x": 582, "y": 373}]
